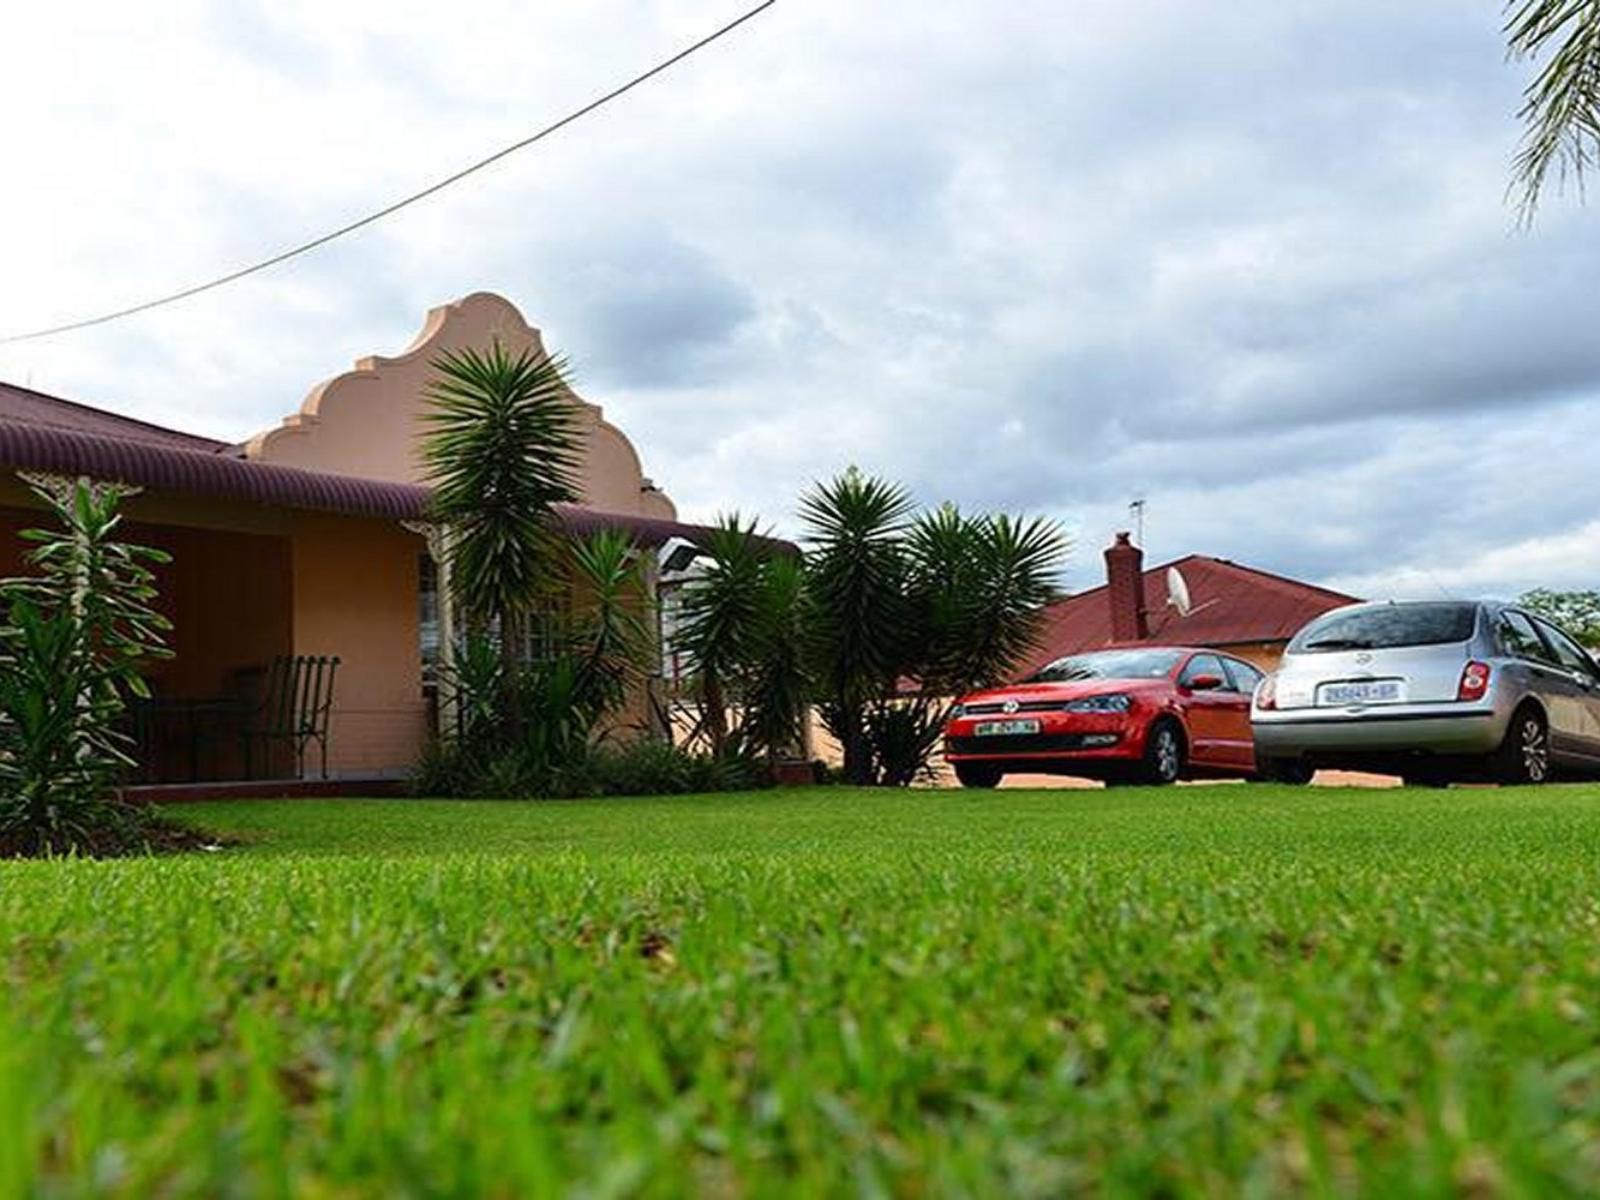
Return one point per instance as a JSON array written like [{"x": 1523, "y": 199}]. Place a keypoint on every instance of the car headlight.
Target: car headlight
[
  {"x": 957, "y": 710},
  {"x": 1117, "y": 703}
]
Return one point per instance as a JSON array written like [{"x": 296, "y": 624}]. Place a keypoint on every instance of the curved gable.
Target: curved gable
[{"x": 367, "y": 422}]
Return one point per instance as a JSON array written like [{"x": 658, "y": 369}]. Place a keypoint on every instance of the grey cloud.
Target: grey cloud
[{"x": 1249, "y": 260}]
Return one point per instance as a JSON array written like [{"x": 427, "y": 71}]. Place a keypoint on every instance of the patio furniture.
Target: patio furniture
[
  {"x": 293, "y": 708},
  {"x": 172, "y": 732}
]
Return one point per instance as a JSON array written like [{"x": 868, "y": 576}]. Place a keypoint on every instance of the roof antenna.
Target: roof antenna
[{"x": 1136, "y": 511}]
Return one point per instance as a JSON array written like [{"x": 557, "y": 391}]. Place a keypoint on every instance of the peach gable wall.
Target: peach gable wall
[{"x": 368, "y": 422}]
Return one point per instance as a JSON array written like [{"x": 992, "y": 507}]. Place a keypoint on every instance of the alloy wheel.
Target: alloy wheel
[
  {"x": 1535, "y": 750},
  {"x": 1166, "y": 754}
]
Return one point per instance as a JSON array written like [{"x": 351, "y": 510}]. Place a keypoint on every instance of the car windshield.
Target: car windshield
[
  {"x": 1386, "y": 627},
  {"x": 1110, "y": 664}
]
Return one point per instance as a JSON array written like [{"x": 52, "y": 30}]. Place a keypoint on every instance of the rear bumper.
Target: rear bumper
[{"x": 1340, "y": 736}]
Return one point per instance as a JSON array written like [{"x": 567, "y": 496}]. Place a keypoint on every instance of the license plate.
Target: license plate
[
  {"x": 1376, "y": 691},
  {"x": 996, "y": 728}
]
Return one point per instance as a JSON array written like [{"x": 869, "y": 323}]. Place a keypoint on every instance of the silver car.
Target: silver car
[{"x": 1433, "y": 691}]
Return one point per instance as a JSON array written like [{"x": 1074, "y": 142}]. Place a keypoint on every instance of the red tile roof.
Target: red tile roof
[
  {"x": 1232, "y": 605},
  {"x": 47, "y": 434}
]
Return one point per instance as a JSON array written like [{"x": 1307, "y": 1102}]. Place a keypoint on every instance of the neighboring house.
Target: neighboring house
[
  {"x": 1245, "y": 611},
  {"x": 310, "y": 538}
]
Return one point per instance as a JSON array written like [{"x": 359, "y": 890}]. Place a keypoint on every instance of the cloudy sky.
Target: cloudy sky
[{"x": 1249, "y": 260}]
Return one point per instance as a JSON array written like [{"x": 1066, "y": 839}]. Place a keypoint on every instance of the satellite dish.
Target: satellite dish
[{"x": 1178, "y": 592}]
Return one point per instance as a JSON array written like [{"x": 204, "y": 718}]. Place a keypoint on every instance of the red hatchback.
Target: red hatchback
[{"x": 1141, "y": 715}]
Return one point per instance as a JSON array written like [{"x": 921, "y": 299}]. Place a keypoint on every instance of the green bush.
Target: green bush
[{"x": 641, "y": 768}]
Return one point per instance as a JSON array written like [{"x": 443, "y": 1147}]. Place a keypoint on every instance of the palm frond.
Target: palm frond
[{"x": 1561, "y": 106}]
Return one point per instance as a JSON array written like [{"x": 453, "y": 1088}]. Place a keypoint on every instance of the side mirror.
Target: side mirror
[{"x": 1205, "y": 683}]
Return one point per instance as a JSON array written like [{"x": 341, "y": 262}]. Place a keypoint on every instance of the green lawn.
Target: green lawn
[{"x": 1202, "y": 990}]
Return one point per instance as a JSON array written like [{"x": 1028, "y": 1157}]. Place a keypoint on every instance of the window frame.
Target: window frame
[
  {"x": 1231, "y": 664},
  {"x": 1555, "y": 637}
]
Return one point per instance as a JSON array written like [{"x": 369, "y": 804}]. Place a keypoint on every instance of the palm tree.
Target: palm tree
[
  {"x": 856, "y": 525},
  {"x": 907, "y": 613},
  {"x": 1561, "y": 106},
  {"x": 501, "y": 452},
  {"x": 722, "y": 611}
]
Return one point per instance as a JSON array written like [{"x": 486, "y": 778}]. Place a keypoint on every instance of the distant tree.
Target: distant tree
[
  {"x": 1576, "y": 612},
  {"x": 1561, "y": 106}
]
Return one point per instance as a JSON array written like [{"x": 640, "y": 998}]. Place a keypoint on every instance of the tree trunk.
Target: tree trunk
[
  {"x": 853, "y": 743},
  {"x": 716, "y": 712}
]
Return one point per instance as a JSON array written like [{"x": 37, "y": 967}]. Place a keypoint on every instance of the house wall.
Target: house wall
[
  {"x": 1265, "y": 655},
  {"x": 355, "y": 596},
  {"x": 226, "y": 593}
]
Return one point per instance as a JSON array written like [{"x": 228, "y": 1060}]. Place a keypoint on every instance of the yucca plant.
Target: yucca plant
[
  {"x": 862, "y": 634},
  {"x": 721, "y": 615},
  {"x": 778, "y": 690},
  {"x": 746, "y": 619},
  {"x": 595, "y": 651},
  {"x": 910, "y": 611},
  {"x": 501, "y": 451},
  {"x": 73, "y": 641},
  {"x": 609, "y": 632}
]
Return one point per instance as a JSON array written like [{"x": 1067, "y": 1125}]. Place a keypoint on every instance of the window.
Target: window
[
  {"x": 1518, "y": 638},
  {"x": 1568, "y": 653},
  {"x": 547, "y": 626},
  {"x": 1203, "y": 664},
  {"x": 1110, "y": 664},
  {"x": 428, "y": 617},
  {"x": 1385, "y": 626},
  {"x": 1245, "y": 677}
]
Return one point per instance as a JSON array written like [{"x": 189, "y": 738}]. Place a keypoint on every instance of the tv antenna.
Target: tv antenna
[{"x": 1136, "y": 511}]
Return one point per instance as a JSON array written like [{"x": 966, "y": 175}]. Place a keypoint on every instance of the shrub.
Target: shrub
[
  {"x": 72, "y": 641},
  {"x": 642, "y": 768}
]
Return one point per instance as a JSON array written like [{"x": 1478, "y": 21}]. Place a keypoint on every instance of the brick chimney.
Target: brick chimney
[{"x": 1125, "y": 590}]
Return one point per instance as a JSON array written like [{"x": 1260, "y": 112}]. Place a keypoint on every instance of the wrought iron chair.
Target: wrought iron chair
[{"x": 294, "y": 708}]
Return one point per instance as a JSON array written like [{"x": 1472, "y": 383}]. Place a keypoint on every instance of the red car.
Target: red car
[{"x": 1141, "y": 715}]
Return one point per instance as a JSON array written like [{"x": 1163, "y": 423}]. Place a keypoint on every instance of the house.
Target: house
[
  {"x": 1243, "y": 610},
  {"x": 310, "y": 538}
]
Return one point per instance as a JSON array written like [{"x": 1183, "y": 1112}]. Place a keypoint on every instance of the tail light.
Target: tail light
[
  {"x": 1474, "y": 681},
  {"x": 1267, "y": 694}
]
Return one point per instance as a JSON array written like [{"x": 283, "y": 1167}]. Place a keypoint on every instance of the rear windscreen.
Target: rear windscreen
[{"x": 1390, "y": 626}]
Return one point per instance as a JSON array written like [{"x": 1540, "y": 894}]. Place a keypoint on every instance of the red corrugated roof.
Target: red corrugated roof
[
  {"x": 54, "y": 436},
  {"x": 38, "y": 408},
  {"x": 1232, "y": 605}
]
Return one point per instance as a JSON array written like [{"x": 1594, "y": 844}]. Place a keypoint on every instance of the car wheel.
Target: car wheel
[
  {"x": 1163, "y": 755},
  {"x": 1294, "y": 771},
  {"x": 976, "y": 775},
  {"x": 1524, "y": 755}
]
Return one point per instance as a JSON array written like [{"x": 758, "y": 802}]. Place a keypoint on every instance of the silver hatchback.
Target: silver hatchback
[{"x": 1432, "y": 691}]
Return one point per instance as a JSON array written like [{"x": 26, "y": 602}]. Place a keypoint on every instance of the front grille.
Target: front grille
[
  {"x": 1031, "y": 706},
  {"x": 1016, "y": 743}
]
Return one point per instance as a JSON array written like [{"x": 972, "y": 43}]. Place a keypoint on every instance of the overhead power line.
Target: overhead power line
[{"x": 371, "y": 218}]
